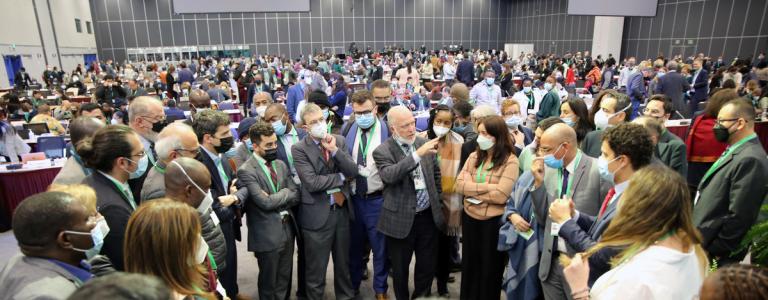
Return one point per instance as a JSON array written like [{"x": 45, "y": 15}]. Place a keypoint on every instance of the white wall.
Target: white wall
[
  {"x": 64, "y": 15},
  {"x": 607, "y": 36}
]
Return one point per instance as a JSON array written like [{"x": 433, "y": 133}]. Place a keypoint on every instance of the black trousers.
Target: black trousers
[
  {"x": 422, "y": 240},
  {"x": 446, "y": 259},
  {"x": 228, "y": 278},
  {"x": 482, "y": 266}
]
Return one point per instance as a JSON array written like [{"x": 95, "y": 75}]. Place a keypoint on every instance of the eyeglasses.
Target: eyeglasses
[
  {"x": 720, "y": 121},
  {"x": 195, "y": 152}
]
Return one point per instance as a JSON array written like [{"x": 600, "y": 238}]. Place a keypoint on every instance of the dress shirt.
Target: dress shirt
[{"x": 217, "y": 161}]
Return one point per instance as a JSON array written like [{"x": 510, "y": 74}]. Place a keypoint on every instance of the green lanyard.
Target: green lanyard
[
  {"x": 288, "y": 149},
  {"x": 274, "y": 185},
  {"x": 128, "y": 196},
  {"x": 330, "y": 126},
  {"x": 367, "y": 143},
  {"x": 159, "y": 169},
  {"x": 570, "y": 178},
  {"x": 481, "y": 176},
  {"x": 213, "y": 261},
  {"x": 726, "y": 154},
  {"x": 221, "y": 172}
]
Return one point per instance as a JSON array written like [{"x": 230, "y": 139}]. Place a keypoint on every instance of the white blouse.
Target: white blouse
[{"x": 654, "y": 273}]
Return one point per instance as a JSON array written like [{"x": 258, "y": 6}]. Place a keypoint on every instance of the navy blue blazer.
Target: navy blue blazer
[{"x": 700, "y": 87}]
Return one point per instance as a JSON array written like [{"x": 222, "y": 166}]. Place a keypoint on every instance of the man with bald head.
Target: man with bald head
[
  {"x": 147, "y": 117},
  {"x": 188, "y": 180},
  {"x": 74, "y": 170},
  {"x": 730, "y": 193},
  {"x": 412, "y": 216},
  {"x": 199, "y": 101},
  {"x": 261, "y": 101},
  {"x": 562, "y": 172},
  {"x": 176, "y": 140}
]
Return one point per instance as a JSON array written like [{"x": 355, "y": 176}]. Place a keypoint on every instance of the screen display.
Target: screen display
[
  {"x": 227, "y": 6},
  {"x": 618, "y": 8}
]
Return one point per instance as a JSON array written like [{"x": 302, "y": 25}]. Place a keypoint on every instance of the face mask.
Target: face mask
[
  {"x": 226, "y": 144},
  {"x": 202, "y": 251},
  {"x": 158, "y": 126},
  {"x": 440, "y": 131},
  {"x": 143, "y": 162},
  {"x": 568, "y": 121},
  {"x": 97, "y": 234},
  {"x": 325, "y": 114},
  {"x": 279, "y": 127},
  {"x": 722, "y": 133},
  {"x": 547, "y": 86},
  {"x": 365, "y": 121},
  {"x": 307, "y": 79},
  {"x": 459, "y": 128},
  {"x": 551, "y": 161},
  {"x": 601, "y": 120},
  {"x": 382, "y": 108},
  {"x": 527, "y": 89},
  {"x": 489, "y": 81},
  {"x": 249, "y": 145},
  {"x": 318, "y": 130},
  {"x": 513, "y": 121},
  {"x": 484, "y": 142},
  {"x": 602, "y": 168},
  {"x": 270, "y": 155},
  {"x": 260, "y": 110},
  {"x": 257, "y": 81}
]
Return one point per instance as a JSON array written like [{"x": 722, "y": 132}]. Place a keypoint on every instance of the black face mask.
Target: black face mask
[
  {"x": 270, "y": 155},
  {"x": 158, "y": 126},
  {"x": 383, "y": 108},
  {"x": 721, "y": 133},
  {"x": 226, "y": 144}
]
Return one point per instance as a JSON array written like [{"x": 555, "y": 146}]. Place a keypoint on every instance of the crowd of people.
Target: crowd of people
[{"x": 535, "y": 176}]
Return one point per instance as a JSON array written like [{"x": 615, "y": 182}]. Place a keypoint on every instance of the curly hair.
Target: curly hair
[
  {"x": 739, "y": 282},
  {"x": 632, "y": 140}
]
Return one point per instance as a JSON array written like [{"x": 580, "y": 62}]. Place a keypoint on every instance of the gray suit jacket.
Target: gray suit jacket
[
  {"x": 671, "y": 150},
  {"x": 592, "y": 142},
  {"x": 730, "y": 199},
  {"x": 265, "y": 225},
  {"x": 242, "y": 155},
  {"x": 154, "y": 185},
  {"x": 399, "y": 206},
  {"x": 674, "y": 86},
  {"x": 318, "y": 176},
  {"x": 71, "y": 173},
  {"x": 588, "y": 194}
]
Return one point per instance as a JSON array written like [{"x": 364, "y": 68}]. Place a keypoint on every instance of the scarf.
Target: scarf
[{"x": 449, "y": 158}]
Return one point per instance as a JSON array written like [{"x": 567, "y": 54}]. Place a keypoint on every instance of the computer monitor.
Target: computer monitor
[{"x": 37, "y": 128}]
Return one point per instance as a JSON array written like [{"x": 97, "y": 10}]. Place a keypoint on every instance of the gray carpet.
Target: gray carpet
[{"x": 248, "y": 272}]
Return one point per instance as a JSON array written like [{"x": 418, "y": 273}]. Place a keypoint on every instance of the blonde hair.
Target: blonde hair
[
  {"x": 507, "y": 103},
  {"x": 81, "y": 192},
  {"x": 460, "y": 92}
]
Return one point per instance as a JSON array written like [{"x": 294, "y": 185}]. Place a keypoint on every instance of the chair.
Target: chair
[
  {"x": 348, "y": 110},
  {"x": 32, "y": 156},
  {"x": 52, "y": 146}
]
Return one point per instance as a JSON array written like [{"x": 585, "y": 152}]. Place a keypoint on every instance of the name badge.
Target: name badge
[
  {"x": 527, "y": 234},
  {"x": 362, "y": 171},
  {"x": 215, "y": 218},
  {"x": 220, "y": 289},
  {"x": 283, "y": 213},
  {"x": 696, "y": 199},
  {"x": 419, "y": 184},
  {"x": 336, "y": 190},
  {"x": 555, "y": 229}
]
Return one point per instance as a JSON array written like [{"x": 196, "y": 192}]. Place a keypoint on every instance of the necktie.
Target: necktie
[
  {"x": 325, "y": 153},
  {"x": 422, "y": 196},
  {"x": 608, "y": 198},
  {"x": 564, "y": 188},
  {"x": 361, "y": 182},
  {"x": 272, "y": 174}
]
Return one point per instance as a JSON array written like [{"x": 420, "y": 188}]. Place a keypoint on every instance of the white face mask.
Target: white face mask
[
  {"x": 261, "y": 110},
  {"x": 318, "y": 130},
  {"x": 202, "y": 251},
  {"x": 440, "y": 131},
  {"x": 484, "y": 143}
]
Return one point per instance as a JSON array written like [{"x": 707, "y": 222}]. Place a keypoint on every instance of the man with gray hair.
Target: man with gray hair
[
  {"x": 260, "y": 102},
  {"x": 487, "y": 92},
  {"x": 636, "y": 89},
  {"x": 674, "y": 85},
  {"x": 74, "y": 170},
  {"x": 147, "y": 117},
  {"x": 176, "y": 140}
]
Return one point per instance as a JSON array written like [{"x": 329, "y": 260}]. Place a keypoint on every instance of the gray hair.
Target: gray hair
[
  {"x": 482, "y": 111},
  {"x": 140, "y": 106},
  {"x": 169, "y": 139},
  {"x": 318, "y": 83},
  {"x": 672, "y": 65},
  {"x": 309, "y": 108},
  {"x": 396, "y": 110}
]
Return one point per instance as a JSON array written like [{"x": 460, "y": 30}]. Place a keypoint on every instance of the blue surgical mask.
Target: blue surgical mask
[
  {"x": 325, "y": 114},
  {"x": 602, "y": 168},
  {"x": 551, "y": 161},
  {"x": 547, "y": 86},
  {"x": 513, "y": 121},
  {"x": 365, "y": 121},
  {"x": 249, "y": 145},
  {"x": 143, "y": 163},
  {"x": 527, "y": 89},
  {"x": 279, "y": 127},
  {"x": 98, "y": 234},
  {"x": 568, "y": 121},
  {"x": 489, "y": 81},
  {"x": 459, "y": 128}
]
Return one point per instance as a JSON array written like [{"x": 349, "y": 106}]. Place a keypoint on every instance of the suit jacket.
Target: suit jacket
[
  {"x": 225, "y": 214},
  {"x": 139, "y": 92},
  {"x": 636, "y": 87},
  {"x": 671, "y": 151},
  {"x": 399, "y": 206},
  {"x": 318, "y": 176},
  {"x": 465, "y": 72},
  {"x": 674, "y": 86},
  {"x": 584, "y": 232},
  {"x": 588, "y": 193},
  {"x": 592, "y": 142},
  {"x": 282, "y": 152},
  {"x": 265, "y": 225},
  {"x": 730, "y": 199},
  {"x": 549, "y": 106},
  {"x": 242, "y": 154},
  {"x": 116, "y": 210},
  {"x": 71, "y": 173},
  {"x": 700, "y": 88},
  {"x": 154, "y": 185}
]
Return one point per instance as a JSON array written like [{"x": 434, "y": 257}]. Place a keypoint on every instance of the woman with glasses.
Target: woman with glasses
[
  {"x": 521, "y": 135},
  {"x": 116, "y": 154}
]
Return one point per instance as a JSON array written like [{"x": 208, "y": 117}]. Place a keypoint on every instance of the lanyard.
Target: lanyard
[
  {"x": 213, "y": 261},
  {"x": 274, "y": 185},
  {"x": 531, "y": 101},
  {"x": 288, "y": 149},
  {"x": 726, "y": 154},
  {"x": 330, "y": 126},
  {"x": 159, "y": 169},
  {"x": 367, "y": 143},
  {"x": 481, "y": 176},
  {"x": 127, "y": 196},
  {"x": 570, "y": 178}
]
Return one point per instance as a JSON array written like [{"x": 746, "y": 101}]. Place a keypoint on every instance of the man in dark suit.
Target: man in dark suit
[
  {"x": 134, "y": 90},
  {"x": 109, "y": 93},
  {"x": 733, "y": 189},
  {"x": 674, "y": 86},
  {"x": 700, "y": 88},
  {"x": 670, "y": 148},
  {"x": 185, "y": 75},
  {"x": 147, "y": 117},
  {"x": 411, "y": 215},
  {"x": 21, "y": 79},
  {"x": 625, "y": 149},
  {"x": 562, "y": 172},
  {"x": 377, "y": 72},
  {"x": 287, "y": 136},
  {"x": 215, "y": 138},
  {"x": 271, "y": 194},
  {"x": 636, "y": 89},
  {"x": 614, "y": 109},
  {"x": 256, "y": 87},
  {"x": 325, "y": 170},
  {"x": 465, "y": 72}
]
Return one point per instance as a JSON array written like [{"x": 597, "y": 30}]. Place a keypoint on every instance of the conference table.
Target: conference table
[{"x": 15, "y": 185}]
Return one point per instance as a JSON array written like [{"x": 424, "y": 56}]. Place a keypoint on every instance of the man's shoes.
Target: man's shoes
[
  {"x": 451, "y": 279},
  {"x": 365, "y": 273},
  {"x": 381, "y": 297}
]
